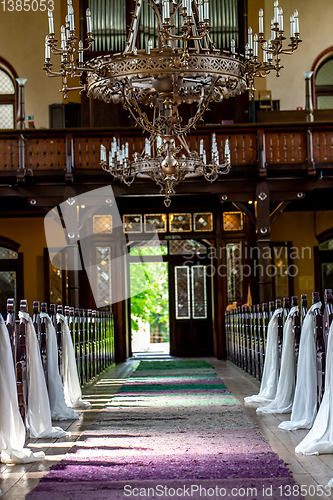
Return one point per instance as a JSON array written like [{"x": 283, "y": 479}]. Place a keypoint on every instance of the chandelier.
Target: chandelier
[{"x": 153, "y": 82}]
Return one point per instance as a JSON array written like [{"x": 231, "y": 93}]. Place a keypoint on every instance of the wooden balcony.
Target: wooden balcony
[{"x": 301, "y": 153}]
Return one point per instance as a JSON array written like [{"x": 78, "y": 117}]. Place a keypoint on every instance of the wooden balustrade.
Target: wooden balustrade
[
  {"x": 255, "y": 145},
  {"x": 93, "y": 339},
  {"x": 246, "y": 334}
]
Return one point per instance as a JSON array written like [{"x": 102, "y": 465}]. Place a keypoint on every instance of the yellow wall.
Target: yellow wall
[
  {"x": 316, "y": 21},
  {"x": 22, "y": 36},
  {"x": 22, "y": 41},
  {"x": 301, "y": 228},
  {"x": 29, "y": 233}
]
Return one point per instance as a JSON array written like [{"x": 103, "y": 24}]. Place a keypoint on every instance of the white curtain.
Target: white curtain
[
  {"x": 38, "y": 416},
  {"x": 283, "y": 401},
  {"x": 70, "y": 379},
  {"x": 12, "y": 430},
  {"x": 320, "y": 438},
  {"x": 305, "y": 401},
  {"x": 271, "y": 367},
  {"x": 59, "y": 410}
]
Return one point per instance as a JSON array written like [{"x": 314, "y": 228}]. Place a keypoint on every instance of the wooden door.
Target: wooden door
[{"x": 191, "y": 331}]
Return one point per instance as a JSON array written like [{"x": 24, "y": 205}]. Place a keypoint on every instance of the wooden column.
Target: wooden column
[{"x": 263, "y": 229}]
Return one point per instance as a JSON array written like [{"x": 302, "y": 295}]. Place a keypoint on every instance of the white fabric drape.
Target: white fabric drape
[
  {"x": 38, "y": 417},
  {"x": 305, "y": 401},
  {"x": 70, "y": 379},
  {"x": 320, "y": 438},
  {"x": 58, "y": 407},
  {"x": 283, "y": 401},
  {"x": 12, "y": 430},
  {"x": 271, "y": 368}
]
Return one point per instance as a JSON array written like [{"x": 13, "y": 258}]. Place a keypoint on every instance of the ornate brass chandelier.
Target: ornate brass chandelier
[{"x": 152, "y": 83}]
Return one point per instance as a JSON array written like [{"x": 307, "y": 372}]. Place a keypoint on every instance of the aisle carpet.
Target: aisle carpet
[{"x": 172, "y": 431}]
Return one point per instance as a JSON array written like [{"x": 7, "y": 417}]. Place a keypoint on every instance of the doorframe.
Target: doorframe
[{"x": 209, "y": 295}]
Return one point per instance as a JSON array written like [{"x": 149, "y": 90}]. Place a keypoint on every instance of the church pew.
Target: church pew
[
  {"x": 10, "y": 322},
  {"x": 88, "y": 329},
  {"x": 280, "y": 322},
  {"x": 91, "y": 356},
  {"x": 21, "y": 361},
  {"x": 243, "y": 338},
  {"x": 43, "y": 345},
  {"x": 250, "y": 334},
  {"x": 259, "y": 339},
  {"x": 263, "y": 337},
  {"x": 247, "y": 338},
  {"x": 320, "y": 347},
  {"x": 297, "y": 326},
  {"x": 304, "y": 307},
  {"x": 328, "y": 314}
]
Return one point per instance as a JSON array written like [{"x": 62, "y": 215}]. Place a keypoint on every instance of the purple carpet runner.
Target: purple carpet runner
[{"x": 170, "y": 433}]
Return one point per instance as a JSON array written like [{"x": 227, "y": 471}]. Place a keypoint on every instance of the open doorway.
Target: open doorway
[{"x": 149, "y": 308}]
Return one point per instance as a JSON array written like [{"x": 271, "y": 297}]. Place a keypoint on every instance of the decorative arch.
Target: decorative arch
[{"x": 319, "y": 61}]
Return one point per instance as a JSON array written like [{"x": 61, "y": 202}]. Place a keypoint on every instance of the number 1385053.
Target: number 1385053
[{"x": 26, "y": 5}]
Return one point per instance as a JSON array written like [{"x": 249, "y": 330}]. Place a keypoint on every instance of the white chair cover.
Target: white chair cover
[
  {"x": 271, "y": 368},
  {"x": 319, "y": 439},
  {"x": 70, "y": 379},
  {"x": 59, "y": 410},
  {"x": 12, "y": 430},
  {"x": 283, "y": 401},
  {"x": 38, "y": 417},
  {"x": 305, "y": 401}
]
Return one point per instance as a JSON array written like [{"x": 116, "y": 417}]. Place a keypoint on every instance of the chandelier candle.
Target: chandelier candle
[{"x": 153, "y": 84}]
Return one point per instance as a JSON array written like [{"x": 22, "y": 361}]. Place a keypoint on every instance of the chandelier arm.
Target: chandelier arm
[
  {"x": 184, "y": 143},
  {"x": 142, "y": 119},
  {"x": 203, "y": 104},
  {"x": 133, "y": 31},
  {"x": 157, "y": 12},
  {"x": 197, "y": 41}
]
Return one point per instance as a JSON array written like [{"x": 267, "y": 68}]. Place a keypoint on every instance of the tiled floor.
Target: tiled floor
[{"x": 310, "y": 471}]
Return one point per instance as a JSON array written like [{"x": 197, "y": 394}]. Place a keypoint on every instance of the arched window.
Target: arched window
[
  {"x": 324, "y": 84},
  {"x": 11, "y": 274}
]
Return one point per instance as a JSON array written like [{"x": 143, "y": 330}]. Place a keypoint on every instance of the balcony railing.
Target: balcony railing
[{"x": 261, "y": 147}]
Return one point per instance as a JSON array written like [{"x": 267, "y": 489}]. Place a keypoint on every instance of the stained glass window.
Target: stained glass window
[
  {"x": 139, "y": 248},
  {"x": 203, "y": 221},
  {"x": 7, "y": 100},
  {"x": 234, "y": 272},
  {"x": 6, "y": 253},
  {"x": 186, "y": 247},
  {"x": 102, "y": 224},
  {"x": 326, "y": 245},
  {"x": 155, "y": 223},
  {"x": 132, "y": 223},
  {"x": 233, "y": 221},
  {"x": 8, "y": 289},
  {"x": 180, "y": 223},
  {"x": 199, "y": 295},
  {"x": 182, "y": 292},
  {"x": 6, "y": 84},
  {"x": 103, "y": 261}
]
